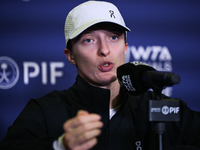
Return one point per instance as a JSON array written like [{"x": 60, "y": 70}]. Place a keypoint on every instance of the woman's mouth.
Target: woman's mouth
[{"x": 106, "y": 66}]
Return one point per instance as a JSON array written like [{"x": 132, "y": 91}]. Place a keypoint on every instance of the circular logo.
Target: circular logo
[
  {"x": 9, "y": 72},
  {"x": 165, "y": 110}
]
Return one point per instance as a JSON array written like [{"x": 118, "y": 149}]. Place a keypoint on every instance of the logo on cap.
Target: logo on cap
[
  {"x": 9, "y": 72},
  {"x": 112, "y": 13}
]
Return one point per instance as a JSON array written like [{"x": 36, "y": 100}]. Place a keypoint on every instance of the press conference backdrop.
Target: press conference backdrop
[{"x": 165, "y": 34}]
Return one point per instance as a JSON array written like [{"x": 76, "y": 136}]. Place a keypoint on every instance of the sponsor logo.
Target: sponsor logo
[
  {"x": 150, "y": 53},
  {"x": 138, "y": 144},
  {"x": 34, "y": 70},
  {"x": 165, "y": 110},
  {"x": 127, "y": 83},
  {"x": 9, "y": 72},
  {"x": 169, "y": 110}
]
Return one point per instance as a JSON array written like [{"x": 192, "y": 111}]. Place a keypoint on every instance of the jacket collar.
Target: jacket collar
[{"x": 91, "y": 97}]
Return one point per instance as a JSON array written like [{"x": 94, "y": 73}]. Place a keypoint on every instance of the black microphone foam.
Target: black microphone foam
[
  {"x": 138, "y": 77},
  {"x": 130, "y": 75}
]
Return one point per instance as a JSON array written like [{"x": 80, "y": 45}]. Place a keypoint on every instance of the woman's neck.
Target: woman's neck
[{"x": 114, "y": 95}]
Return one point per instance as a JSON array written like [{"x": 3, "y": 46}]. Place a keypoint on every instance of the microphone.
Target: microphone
[{"x": 138, "y": 77}]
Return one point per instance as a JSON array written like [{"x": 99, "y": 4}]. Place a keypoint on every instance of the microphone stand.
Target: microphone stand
[
  {"x": 159, "y": 126},
  {"x": 161, "y": 110}
]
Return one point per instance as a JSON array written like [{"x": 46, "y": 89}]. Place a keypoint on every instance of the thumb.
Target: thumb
[{"x": 82, "y": 112}]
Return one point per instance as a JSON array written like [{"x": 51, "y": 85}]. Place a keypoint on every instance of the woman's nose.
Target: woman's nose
[{"x": 104, "y": 49}]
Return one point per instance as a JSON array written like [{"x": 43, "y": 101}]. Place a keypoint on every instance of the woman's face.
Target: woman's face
[{"x": 97, "y": 53}]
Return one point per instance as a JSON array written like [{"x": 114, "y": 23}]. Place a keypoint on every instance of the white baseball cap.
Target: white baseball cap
[{"x": 89, "y": 13}]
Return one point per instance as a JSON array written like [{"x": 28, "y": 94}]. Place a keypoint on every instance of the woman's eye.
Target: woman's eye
[
  {"x": 114, "y": 37},
  {"x": 88, "y": 40}
]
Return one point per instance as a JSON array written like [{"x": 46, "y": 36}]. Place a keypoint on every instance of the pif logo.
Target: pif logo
[
  {"x": 169, "y": 110},
  {"x": 9, "y": 72}
]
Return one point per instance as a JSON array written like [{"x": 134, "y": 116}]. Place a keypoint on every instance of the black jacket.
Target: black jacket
[{"x": 41, "y": 122}]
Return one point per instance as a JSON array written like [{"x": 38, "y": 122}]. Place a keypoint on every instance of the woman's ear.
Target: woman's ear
[
  {"x": 126, "y": 48},
  {"x": 69, "y": 56}
]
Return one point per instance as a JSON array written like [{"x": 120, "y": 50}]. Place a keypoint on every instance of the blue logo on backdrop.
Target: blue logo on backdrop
[{"x": 9, "y": 72}]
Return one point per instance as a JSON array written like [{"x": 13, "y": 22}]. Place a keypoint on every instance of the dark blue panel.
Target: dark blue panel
[{"x": 31, "y": 33}]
